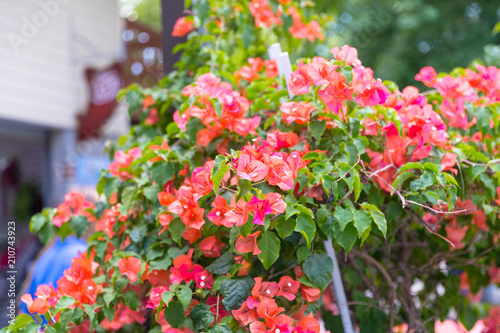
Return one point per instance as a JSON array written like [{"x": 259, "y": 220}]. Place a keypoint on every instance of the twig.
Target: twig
[
  {"x": 345, "y": 197},
  {"x": 283, "y": 271},
  {"x": 428, "y": 92},
  {"x": 345, "y": 174},
  {"x": 380, "y": 170},
  {"x": 387, "y": 277},
  {"x": 439, "y": 211},
  {"x": 490, "y": 163}
]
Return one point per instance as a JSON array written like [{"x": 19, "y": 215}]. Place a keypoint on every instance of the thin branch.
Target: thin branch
[
  {"x": 387, "y": 277},
  {"x": 490, "y": 163},
  {"x": 345, "y": 174}
]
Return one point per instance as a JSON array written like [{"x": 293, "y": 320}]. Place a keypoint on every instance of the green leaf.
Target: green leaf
[
  {"x": 151, "y": 192},
  {"x": 127, "y": 195},
  {"x": 220, "y": 328},
  {"x": 401, "y": 178},
  {"x": 202, "y": 316},
  {"x": 110, "y": 186},
  {"x": 345, "y": 238},
  {"x": 167, "y": 296},
  {"x": 358, "y": 186},
  {"x": 236, "y": 291},
  {"x": 319, "y": 270},
  {"x": 302, "y": 253},
  {"x": 410, "y": 166},
  {"x": 362, "y": 221},
  {"x": 269, "y": 244},
  {"x": 79, "y": 224},
  {"x": 219, "y": 175},
  {"x": 317, "y": 128},
  {"x": 222, "y": 265},
  {"x": 162, "y": 172},
  {"x": 174, "y": 314},
  {"x": 176, "y": 229},
  {"x": 193, "y": 126},
  {"x": 244, "y": 187},
  {"x": 184, "y": 295},
  {"x": 64, "y": 302},
  {"x": 131, "y": 300},
  {"x": 378, "y": 217},
  {"x": 344, "y": 215},
  {"x": 306, "y": 226},
  {"x": 285, "y": 227},
  {"x": 37, "y": 222},
  {"x": 22, "y": 320}
]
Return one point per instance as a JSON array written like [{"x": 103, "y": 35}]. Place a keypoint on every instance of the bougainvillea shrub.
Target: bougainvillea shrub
[{"x": 217, "y": 204}]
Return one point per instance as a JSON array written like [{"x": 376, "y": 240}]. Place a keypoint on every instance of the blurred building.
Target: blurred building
[
  {"x": 48, "y": 49},
  {"x": 59, "y": 74}
]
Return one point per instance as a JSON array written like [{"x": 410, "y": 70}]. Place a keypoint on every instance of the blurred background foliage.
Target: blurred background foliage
[{"x": 395, "y": 38}]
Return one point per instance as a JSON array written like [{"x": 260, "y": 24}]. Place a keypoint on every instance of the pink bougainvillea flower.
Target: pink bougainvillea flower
[
  {"x": 288, "y": 287},
  {"x": 264, "y": 289},
  {"x": 75, "y": 204},
  {"x": 448, "y": 161},
  {"x": 220, "y": 208},
  {"x": 276, "y": 203},
  {"x": 244, "y": 315},
  {"x": 271, "y": 68},
  {"x": 187, "y": 208},
  {"x": 211, "y": 246},
  {"x": 456, "y": 234},
  {"x": 263, "y": 14},
  {"x": 237, "y": 216},
  {"x": 310, "y": 294},
  {"x": 300, "y": 81},
  {"x": 130, "y": 267},
  {"x": 313, "y": 31},
  {"x": 201, "y": 181},
  {"x": 298, "y": 112},
  {"x": 427, "y": 76},
  {"x": 497, "y": 201},
  {"x": 155, "y": 295},
  {"x": 269, "y": 310},
  {"x": 202, "y": 277},
  {"x": 309, "y": 324},
  {"x": 259, "y": 208},
  {"x": 248, "y": 244},
  {"x": 183, "y": 26},
  {"x": 122, "y": 161},
  {"x": 38, "y": 305},
  {"x": 321, "y": 71},
  {"x": 251, "y": 169},
  {"x": 164, "y": 220},
  {"x": 346, "y": 53},
  {"x": 191, "y": 235},
  {"x": 279, "y": 172}
]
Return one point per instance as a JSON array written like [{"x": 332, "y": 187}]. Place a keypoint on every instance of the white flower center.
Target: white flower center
[
  {"x": 185, "y": 206},
  {"x": 155, "y": 273},
  {"x": 90, "y": 287},
  {"x": 202, "y": 284},
  {"x": 203, "y": 277},
  {"x": 217, "y": 213},
  {"x": 268, "y": 291},
  {"x": 277, "y": 330},
  {"x": 289, "y": 285}
]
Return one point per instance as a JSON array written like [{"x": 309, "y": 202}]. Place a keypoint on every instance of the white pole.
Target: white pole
[
  {"x": 286, "y": 66},
  {"x": 274, "y": 53},
  {"x": 338, "y": 288}
]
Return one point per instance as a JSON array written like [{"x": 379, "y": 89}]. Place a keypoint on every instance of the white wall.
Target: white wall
[{"x": 42, "y": 61}]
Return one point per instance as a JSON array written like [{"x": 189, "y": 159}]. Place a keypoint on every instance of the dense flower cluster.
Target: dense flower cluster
[{"x": 216, "y": 216}]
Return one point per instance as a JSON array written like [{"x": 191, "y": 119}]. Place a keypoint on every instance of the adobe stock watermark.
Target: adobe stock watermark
[
  {"x": 11, "y": 271},
  {"x": 31, "y": 25}
]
